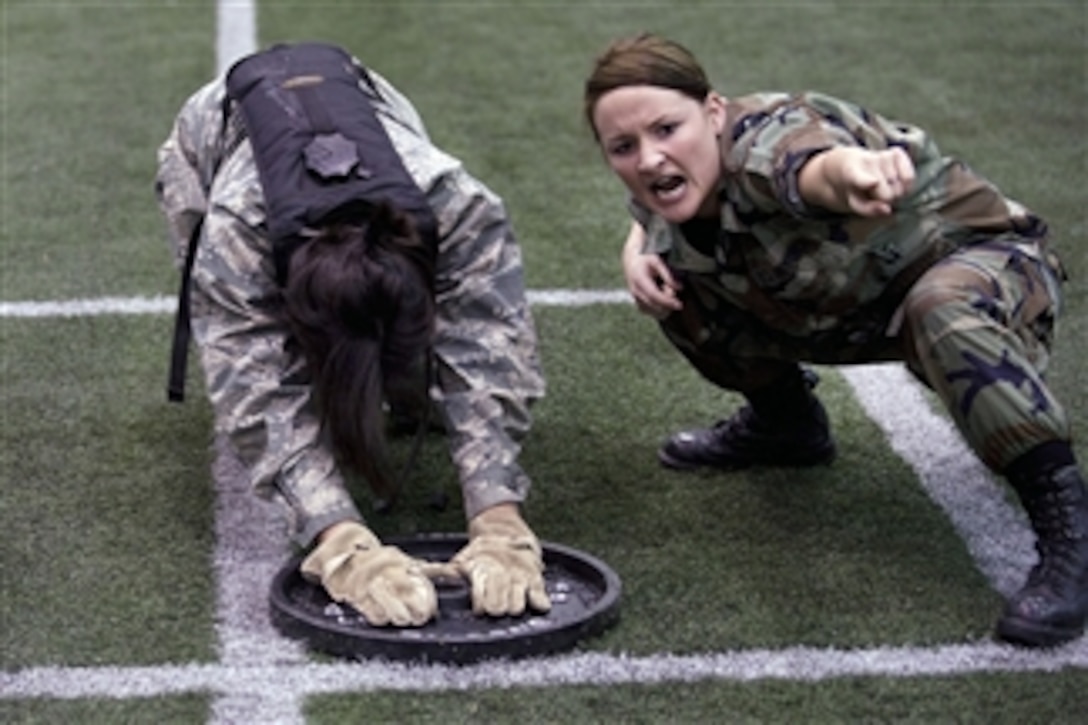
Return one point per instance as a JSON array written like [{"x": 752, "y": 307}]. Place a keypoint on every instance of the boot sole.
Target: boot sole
[
  {"x": 677, "y": 464},
  {"x": 1031, "y": 634}
]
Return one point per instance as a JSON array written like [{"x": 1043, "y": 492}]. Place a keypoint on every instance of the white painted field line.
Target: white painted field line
[
  {"x": 235, "y": 31},
  {"x": 250, "y": 547},
  {"x": 247, "y": 549},
  {"x": 89, "y": 307},
  {"x": 799, "y": 664},
  {"x": 166, "y": 304}
]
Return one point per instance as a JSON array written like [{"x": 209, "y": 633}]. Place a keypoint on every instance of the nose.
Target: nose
[{"x": 649, "y": 156}]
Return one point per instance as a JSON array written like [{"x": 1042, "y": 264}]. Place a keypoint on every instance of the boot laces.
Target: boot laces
[
  {"x": 1061, "y": 545},
  {"x": 742, "y": 423}
]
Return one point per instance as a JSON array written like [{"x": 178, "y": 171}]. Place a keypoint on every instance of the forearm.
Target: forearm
[
  {"x": 489, "y": 376},
  {"x": 634, "y": 244},
  {"x": 272, "y": 425},
  {"x": 259, "y": 390},
  {"x": 485, "y": 431},
  {"x": 488, "y": 366},
  {"x": 820, "y": 181}
]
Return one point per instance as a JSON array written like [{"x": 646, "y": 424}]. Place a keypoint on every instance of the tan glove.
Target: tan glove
[
  {"x": 504, "y": 564},
  {"x": 386, "y": 585}
]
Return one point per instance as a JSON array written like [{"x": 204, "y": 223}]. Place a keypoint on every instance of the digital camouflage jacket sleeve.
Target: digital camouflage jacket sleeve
[{"x": 488, "y": 371}]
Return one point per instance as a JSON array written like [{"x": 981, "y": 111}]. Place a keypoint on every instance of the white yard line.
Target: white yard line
[
  {"x": 89, "y": 307},
  {"x": 236, "y": 31},
  {"x": 250, "y": 547},
  {"x": 279, "y": 682},
  {"x": 163, "y": 304},
  {"x": 247, "y": 549}
]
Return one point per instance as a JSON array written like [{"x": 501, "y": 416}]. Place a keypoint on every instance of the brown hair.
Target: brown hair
[
  {"x": 359, "y": 303},
  {"x": 644, "y": 60}
]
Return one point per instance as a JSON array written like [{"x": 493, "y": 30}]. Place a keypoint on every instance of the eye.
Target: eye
[
  {"x": 665, "y": 129},
  {"x": 622, "y": 147}
]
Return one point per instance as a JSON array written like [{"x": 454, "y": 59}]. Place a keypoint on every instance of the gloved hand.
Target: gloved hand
[
  {"x": 503, "y": 562},
  {"x": 386, "y": 585}
]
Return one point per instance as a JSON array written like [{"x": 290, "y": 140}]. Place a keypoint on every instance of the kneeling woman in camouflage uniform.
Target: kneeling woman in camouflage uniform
[
  {"x": 308, "y": 319},
  {"x": 775, "y": 229}
]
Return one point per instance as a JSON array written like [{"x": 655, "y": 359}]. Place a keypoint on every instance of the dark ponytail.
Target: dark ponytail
[{"x": 359, "y": 301}]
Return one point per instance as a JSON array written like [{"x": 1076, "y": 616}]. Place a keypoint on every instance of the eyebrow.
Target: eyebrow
[{"x": 661, "y": 118}]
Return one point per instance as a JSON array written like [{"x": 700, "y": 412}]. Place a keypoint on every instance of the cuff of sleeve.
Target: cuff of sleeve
[
  {"x": 787, "y": 184},
  {"x": 311, "y": 527},
  {"x": 317, "y": 497},
  {"x": 492, "y": 486}
]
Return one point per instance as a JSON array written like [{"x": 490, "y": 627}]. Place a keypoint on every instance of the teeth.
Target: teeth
[
  {"x": 667, "y": 186},
  {"x": 667, "y": 183}
]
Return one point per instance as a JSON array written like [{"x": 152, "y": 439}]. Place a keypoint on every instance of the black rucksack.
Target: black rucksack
[{"x": 321, "y": 153}]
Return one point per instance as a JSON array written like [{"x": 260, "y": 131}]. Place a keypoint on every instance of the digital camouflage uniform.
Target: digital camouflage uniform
[
  {"x": 488, "y": 371},
  {"x": 957, "y": 282}
]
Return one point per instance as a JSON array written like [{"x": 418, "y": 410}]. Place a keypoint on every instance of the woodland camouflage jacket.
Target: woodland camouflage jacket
[{"x": 807, "y": 273}]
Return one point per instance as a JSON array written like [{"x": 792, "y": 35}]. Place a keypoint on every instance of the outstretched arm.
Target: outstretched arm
[
  {"x": 486, "y": 346},
  {"x": 855, "y": 180},
  {"x": 258, "y": 390}
]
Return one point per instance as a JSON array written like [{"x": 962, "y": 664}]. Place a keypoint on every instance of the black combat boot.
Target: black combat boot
[
  {"x": 784, "y": 425},
  {"x": 1052, "y": 607}
]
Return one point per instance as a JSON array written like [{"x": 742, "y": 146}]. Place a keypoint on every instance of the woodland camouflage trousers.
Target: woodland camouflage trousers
[{"x": 977, "y": 327}]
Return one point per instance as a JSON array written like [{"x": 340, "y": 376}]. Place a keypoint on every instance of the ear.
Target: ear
[{"x": 715, "y": 109}]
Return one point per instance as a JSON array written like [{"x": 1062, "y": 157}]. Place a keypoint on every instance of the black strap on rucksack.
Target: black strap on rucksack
[
  {"x": 322, "y": 155},
  {"x": 179, "y": 352}
]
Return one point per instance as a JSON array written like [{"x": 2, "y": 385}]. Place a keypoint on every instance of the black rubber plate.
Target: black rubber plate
[{"x": 585, "y": 596}]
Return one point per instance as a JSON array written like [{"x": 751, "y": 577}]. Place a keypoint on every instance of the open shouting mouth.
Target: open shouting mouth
[{"x": 669, "y": 188}]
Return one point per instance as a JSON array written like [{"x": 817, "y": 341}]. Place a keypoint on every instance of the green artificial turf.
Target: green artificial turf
[
  {"x": 997, "y": 699},
  {"x": 107, "y": 523},
  {"x": 183, "y": 710}
]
